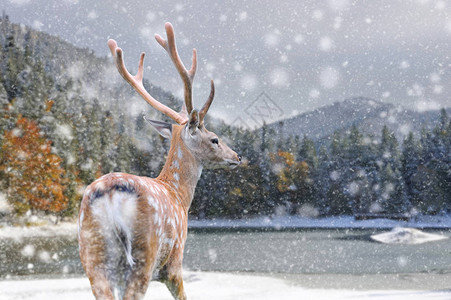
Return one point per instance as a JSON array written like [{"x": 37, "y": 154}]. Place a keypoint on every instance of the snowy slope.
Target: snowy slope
[{"x": 368, "y": 114}]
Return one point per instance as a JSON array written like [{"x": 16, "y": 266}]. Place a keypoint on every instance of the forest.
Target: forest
[{"x": 58, "y": 134}]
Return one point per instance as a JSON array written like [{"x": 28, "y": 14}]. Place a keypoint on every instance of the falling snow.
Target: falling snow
[{"x": 324, "y": 65}]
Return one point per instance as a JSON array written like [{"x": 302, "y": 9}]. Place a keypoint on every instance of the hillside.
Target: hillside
[
  {"x": 369, "y": 115},
  {"x": 67, "y": 117},
  {"x": 90, "y": 77}
]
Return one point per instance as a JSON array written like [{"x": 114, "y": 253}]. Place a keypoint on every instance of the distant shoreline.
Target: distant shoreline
[{"x": 261, "y": 224}]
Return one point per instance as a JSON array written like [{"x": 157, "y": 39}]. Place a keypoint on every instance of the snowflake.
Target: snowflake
[
  {"x": 404, "y": 64},
  {"x": 314, "y": 93},
  {"x": 271, "y": 39},
  {"x": 326, "y": 44},
  {"x": 150, "y": 16},
  {"x": 329, "y": 77},
  {"x": 437, "y": 89},
  {"x": 280, "y": 78},
  {"x": 243, "y": 16},
  {"x": 318, "y": 15},
  {"x": 92, "y": 15},
  {"x": 299, "y": 39},
  {"x": 338, "y": 4},
  {"x": 248, "y": 82}
]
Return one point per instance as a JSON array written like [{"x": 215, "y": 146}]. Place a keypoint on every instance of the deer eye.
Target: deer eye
[{"x": 215, "y": 141}]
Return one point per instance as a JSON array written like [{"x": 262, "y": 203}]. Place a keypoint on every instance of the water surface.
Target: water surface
[{"x": 310, "y": 251}]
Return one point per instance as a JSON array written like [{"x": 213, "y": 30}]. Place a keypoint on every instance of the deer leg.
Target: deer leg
[
  {"x": 174, "y": 282},
  {"x": 101, "y": 287},
  {"x": 137, "y": 286},
  {"x": 139, "y": 279}
]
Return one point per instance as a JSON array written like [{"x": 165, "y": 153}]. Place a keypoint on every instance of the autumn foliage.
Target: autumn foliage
[
  {"x": 34, "y": 177},
  {"x": 291, "y": 172}
]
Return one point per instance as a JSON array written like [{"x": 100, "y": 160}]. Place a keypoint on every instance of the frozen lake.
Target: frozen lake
[
  {"x": 313, "y": 251},
  {"x": 313, "y": 258},
  {"x": 249, "y": 264}
]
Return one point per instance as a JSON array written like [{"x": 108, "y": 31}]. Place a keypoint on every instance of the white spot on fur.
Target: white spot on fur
[
  {"x": 176, "y": 164},
  {"x": 142, "y": 182},
  {"x": 80, "y": 223},
  {"x": 168, "y": 241},
  {"x": 176, "y": 176},
  {"x": 88, "y": 192},
  {"x": 100, "y": 185},
  {"x": 179, "y": 152},
  {"x": 131, "y": 181},
  {"x": 152, "y": 202}
]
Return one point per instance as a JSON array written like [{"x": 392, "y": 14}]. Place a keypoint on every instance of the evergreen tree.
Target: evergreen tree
[
  {"x": 392, "y": 195},
  {"x": 409, "y": 165},
  {"x": 308, "y": 154},
  {"x": 107, "y": 143},
  {"x": 13, "y": 63}
]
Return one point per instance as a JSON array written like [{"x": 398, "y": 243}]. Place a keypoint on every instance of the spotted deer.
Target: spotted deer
[{"x": 132, "y": 229}]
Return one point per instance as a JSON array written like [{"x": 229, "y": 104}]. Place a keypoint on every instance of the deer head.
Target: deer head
[{"x": 204, "y": 145}]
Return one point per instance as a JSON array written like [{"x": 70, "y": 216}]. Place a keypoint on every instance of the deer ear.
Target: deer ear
[
  {"x": 163, "y": 128},
  {"x": 193, "y": 121}
]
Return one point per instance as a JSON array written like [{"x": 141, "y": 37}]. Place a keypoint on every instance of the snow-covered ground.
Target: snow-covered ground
[
  {"x": 400, "y": 235},
  {"x": 282, "y": 222},
  {"x": 329, "y": 222},
  {"x": 211, "y": 285},
  {"x": 207, "y": 285},
  {"x": 48, "y": 230}
]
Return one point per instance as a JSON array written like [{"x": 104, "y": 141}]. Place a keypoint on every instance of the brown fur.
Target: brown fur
[{"x": 152, "y": 254}]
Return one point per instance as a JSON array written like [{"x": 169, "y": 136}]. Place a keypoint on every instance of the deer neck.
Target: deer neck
[{"x": 182, "y": 170}]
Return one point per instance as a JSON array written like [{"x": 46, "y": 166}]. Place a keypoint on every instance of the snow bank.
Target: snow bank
[
  {"x": 281, "y": 222},
  {"x": 205, "y": 285},
  {"x": 329, "y": 222},
  {"x": 400, "y": 235},
  {"x": 61, "y": 229}
]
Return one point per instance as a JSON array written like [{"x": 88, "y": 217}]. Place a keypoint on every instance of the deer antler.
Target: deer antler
[
  {"x": 137, "y": 83},
  {"x": 207, "y": 104},
  {"x": 187, "y": 76}
]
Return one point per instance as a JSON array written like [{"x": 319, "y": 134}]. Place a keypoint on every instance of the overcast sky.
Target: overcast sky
[{"x": 301, "y": 54}]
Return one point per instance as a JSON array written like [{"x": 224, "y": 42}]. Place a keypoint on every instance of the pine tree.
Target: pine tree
[
  {"x": 90, "y": 143},
  {"x": 12, "y": 65},
  {"x": 37, "y": 86},
  {"x": 308, "y": 154},
  {"x": 393, "y": 196},
  {"x": 409, "y": 165},
  {"x": 107, "y": 143}
]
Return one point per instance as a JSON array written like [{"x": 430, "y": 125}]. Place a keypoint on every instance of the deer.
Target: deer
[{"x": 132, "y": 229}]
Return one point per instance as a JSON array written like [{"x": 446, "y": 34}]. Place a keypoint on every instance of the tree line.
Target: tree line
[{"x": 54, "y": 140}]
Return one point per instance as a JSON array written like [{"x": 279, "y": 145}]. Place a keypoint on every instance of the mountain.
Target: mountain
[
  {"x": 89, "y": 77},
  {"x": 368, "y": 114}
]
